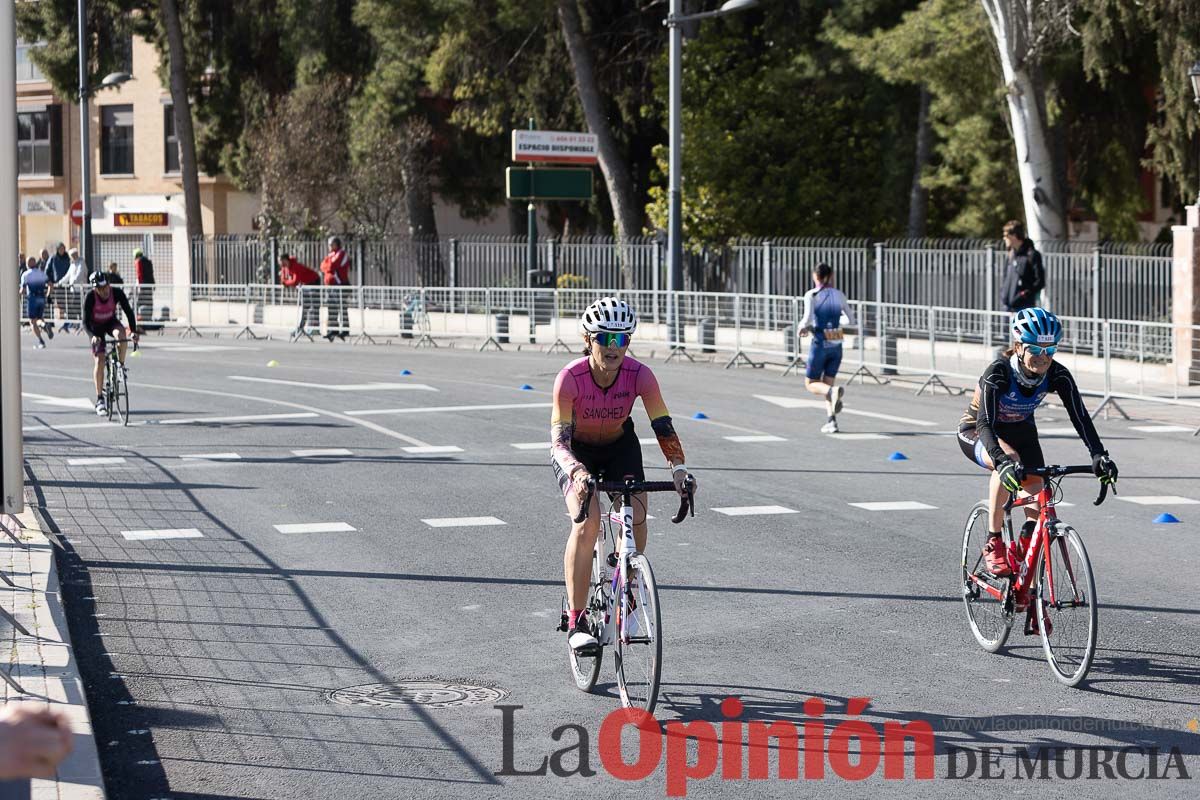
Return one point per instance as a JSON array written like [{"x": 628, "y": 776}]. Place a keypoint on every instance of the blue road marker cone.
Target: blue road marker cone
[
  {"x": 406, "y": 372},
  {"x": 699, "y": 415},
  {"x": 526, "y": 388},
  {"x": 897, "y": 456},
  {"x": 1164, "y": 519}
]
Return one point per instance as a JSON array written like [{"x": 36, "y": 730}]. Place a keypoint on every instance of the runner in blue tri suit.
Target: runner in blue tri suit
[
  {"x": 825, "y": 309},
  {"x": 998, "y": 431},
  {"x": 34, "y": 285}
]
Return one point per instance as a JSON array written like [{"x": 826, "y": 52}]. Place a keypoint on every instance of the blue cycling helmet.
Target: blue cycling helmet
[{"x": 1036, "y": 326}]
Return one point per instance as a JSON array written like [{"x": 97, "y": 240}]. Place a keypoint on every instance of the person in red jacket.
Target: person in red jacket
[
  {"x": 335, "y": 269},
  {"x": 293, "y": 274}
]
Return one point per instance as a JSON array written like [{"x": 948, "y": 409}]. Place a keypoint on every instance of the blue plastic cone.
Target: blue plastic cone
[
  {"x": 1166, "y": 519},
  {"x": 406, "y": 372},
  {"x": 526, "y": 388},
  {"x": 699, "y": 415},
  {"x": 897, "y": 456}
]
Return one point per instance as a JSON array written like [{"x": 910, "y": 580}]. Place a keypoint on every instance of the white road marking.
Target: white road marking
[
  {"x": 243, "y": 418},
  {"x": 746, "y": 511},
  {"x": 163, "y": 533},
  {"x": 900, "y": 505},
  {"x": 334, "y": 451},
  {"x": 646, "y": 441},
  {"x": 462, "y": 522},
  {"x": 90, "y": 462},
  {"x": 762, "y": 438},
  {"x": 1162, "y": 428},
  {"x": 74, "y": 426},
  {"x": 195, "y": 348},
  {"x": 859, "y": 437},
  {"x": 370, "y": 412},
  {"x": 796, "y": 402},
  {"x": 64, "y": 402},
  {"x": 1159, "y": 500},
  {"x": 212, "y": 457},
  {"x": 531, "y": 445},
  {"x": 433, "y": 448},
  {"x": 316, "y": 527},
  {"x": 350, "y": 387}
]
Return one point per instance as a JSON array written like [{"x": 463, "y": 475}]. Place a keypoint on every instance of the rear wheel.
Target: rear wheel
[
  {"x": 639, "y": 645},
  {"x": 1066, "y": 598},
  {"x": 990, "y": 617}
]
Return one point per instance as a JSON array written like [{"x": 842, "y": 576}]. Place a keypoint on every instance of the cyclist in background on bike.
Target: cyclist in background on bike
[
  {"x": 998, "y": 431},
  {"x": 824, "y": 310},
  {"x": 591, "y": 435},
  {"x": 100, "y": 319}
]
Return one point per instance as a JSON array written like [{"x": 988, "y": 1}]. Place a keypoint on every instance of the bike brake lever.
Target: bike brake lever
[
  {"x": 587, "y": 501},
  {"x": 686, "y": 504},
  {"x": 1104, "y": 493}
]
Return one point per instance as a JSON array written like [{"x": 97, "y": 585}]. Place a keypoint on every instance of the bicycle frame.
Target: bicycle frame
[{"x": 614, "y": 625}]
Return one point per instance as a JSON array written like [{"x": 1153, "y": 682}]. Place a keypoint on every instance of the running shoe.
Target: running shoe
[
  {"x": 838, "y": 391},
  {"x": 40, "y": 345},
  {"x": 101, "y": 408},
  {"x": 830, "y": 427}
]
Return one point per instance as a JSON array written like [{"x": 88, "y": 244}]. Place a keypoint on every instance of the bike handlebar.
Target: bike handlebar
[
  {"x": 1055, "y": 471},
  {"x": 686, "y": 503}
]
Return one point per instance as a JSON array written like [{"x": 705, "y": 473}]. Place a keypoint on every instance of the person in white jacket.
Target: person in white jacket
[{"x": 72, "y": 285}]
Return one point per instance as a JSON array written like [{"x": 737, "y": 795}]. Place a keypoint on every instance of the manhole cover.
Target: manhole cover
[{"x": 424, "y": 692}]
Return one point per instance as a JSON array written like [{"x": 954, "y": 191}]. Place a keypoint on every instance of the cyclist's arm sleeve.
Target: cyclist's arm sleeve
[
  {"x": 88, "y": 303},
  {"x": 562, "y": 423},
  {"x": 123, "y": 301},
  {"x": 660, "y": 417},
  {"x": 991, "y": 386},
  {"x": 1064, "y": 384},
  {"x": 848, "y": 312}
]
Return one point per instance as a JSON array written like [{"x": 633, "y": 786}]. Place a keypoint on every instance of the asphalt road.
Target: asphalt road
[{"x": 212, "y": 659}]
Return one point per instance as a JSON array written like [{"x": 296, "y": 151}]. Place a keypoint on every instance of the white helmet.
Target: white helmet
[{"x": 610, "y": 315}]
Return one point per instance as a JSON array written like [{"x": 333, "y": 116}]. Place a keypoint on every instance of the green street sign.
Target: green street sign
[{"x": 548, "y": 184}]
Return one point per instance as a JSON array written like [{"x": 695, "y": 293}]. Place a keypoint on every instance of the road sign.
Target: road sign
[
  {"x": 555, "y": 147},
  {"x": 77, "y": 212},
  {"x": 548, "y": 184}
]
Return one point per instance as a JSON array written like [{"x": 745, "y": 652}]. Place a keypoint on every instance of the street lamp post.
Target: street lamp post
[
  {"x": 1194, "y": 77},
  {"x": 674, "y": 197},
  {"x": 112, "y": 79}
]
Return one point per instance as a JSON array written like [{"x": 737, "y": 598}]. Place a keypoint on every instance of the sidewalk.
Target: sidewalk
[{"x": 44, "y": 664}]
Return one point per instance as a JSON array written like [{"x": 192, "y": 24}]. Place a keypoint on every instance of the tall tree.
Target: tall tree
[
  {"x": 613, "y": 161},
  {"x": 182, "y": 108}
]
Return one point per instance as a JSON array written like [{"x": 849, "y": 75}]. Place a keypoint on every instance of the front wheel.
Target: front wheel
[
  {"x": 1066, "y": 606},
  {"x": 986, "y": 597},
  {"x": 639, "y": 638},
  {"x": 120, "y": 401}
]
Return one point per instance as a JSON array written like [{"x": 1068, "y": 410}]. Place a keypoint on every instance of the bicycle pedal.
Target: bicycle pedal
[
  {"x": 588, "y": 651},
  {"x": 562, "y": 624}
]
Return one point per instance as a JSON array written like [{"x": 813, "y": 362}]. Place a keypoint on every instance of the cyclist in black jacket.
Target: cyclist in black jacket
[
  {"x": 100, "y": 318},
  {"x": 998, "y": 431}
]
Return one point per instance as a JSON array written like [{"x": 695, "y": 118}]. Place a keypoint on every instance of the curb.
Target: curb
[{"x": 44, "y": 664}]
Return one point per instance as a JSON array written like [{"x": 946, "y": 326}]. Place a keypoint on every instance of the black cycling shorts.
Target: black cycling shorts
[
  {"x": 1020, "y": 436},
  {"x": 607, "y": 462}
]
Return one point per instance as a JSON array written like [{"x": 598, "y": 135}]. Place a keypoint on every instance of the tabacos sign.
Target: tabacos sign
[
  {"x": 140, "y": 219},
  {"x": 730, "y": 750}
]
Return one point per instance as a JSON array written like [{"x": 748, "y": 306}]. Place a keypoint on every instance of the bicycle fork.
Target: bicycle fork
[{"x": 620, "y": 578}]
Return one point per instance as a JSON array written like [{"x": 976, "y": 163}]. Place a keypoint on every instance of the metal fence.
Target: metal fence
[{"x": 1103, "y": 281}]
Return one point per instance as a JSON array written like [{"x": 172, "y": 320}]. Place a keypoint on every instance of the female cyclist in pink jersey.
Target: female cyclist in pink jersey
[{"x": 591, "y": 436}]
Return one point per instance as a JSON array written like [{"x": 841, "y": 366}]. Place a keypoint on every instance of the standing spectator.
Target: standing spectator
[
  {"x": 114, "y": 275},
  {"x": 44, "y": 258},
  {"x": 143, "y": 273},
  {"x": 21, "y": 263},
  {"x": 71, "y": 286},
  {"x": 293, "y": 274},
  {"x": 336, "y": 270},
  {"x": 56, "y": 270},
  {"x": 1024, "y": 277},
  {"x": 34, "y": 286}
]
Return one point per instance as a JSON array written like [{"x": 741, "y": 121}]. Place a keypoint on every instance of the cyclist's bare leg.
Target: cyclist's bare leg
[
  {"x": 122, "y": 343},
  {"x": 577, "y": 560},
  {"x": 98, "y": 374},
  {"x": 998, "y": 495}
]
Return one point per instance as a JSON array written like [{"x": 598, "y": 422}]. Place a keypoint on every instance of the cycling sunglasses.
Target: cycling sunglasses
[
  {"x": 1038, "y": 350},
  {"x": 611, "y": 339}
]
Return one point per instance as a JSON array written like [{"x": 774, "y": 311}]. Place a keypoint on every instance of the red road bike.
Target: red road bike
[{"x": 1051, "y": 580}]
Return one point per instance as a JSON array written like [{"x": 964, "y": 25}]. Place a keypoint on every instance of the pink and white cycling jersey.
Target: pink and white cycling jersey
[{"x": 596, "y": 414}]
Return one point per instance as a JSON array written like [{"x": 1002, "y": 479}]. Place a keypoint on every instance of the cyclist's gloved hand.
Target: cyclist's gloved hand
[
  {"x": 580, "y": 481},
  {"x": 1010, "y": 474},
  {"x": 1104, "y": 468},
  {"x": 681, "y": 478}
]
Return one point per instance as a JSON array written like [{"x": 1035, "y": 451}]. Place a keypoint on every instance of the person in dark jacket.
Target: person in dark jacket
[
  {"x": 1024, "y": 277},
  {"x": 57, "y": 269}
]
